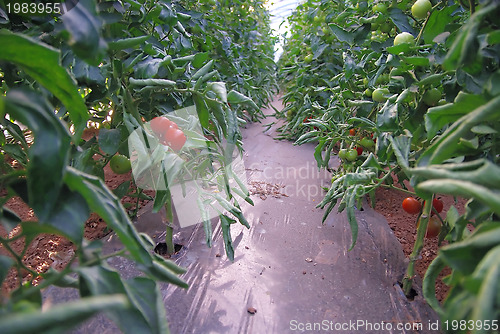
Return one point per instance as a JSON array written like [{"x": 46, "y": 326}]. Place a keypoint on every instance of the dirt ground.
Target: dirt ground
[
  {"x": 54, "y": 251},
  {"x": 404, "y": 226}
]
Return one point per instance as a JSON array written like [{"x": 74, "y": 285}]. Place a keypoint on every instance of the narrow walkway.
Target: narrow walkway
[
  {"x": 295, "y": 272},
  {"x": 292, "y": 269}
]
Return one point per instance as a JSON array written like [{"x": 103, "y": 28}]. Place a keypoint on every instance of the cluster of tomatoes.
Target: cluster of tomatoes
[
  {"x": 168, "y": 133},
  {"x": 353, "y": 153},
  {"x": 413, "y": 206}
]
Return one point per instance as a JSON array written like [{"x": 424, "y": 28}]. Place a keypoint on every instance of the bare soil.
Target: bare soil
[{"x": 404, "y": 226}]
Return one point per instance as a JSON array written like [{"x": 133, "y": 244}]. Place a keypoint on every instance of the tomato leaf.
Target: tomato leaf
[
  {"x": 437, "y": 117},
  {"x": 226, "y": 234},
  {"x": 84, "y": 27},
  {"x": 48, "y": 155},
  {"x": 400, "y": 19},
  {"x": 437, "y": 22},
  {"x": 66, "y": 316},
  {"x": 5, "y": 263},
  {"x": 41, "y": 62},
  {"x": 109, "y": 140}
]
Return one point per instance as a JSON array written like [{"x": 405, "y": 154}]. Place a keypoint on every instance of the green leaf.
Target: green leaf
[
  {"x": 417, "y": 61},
  {"x": 4, "y": 18},
  {"x": 9, "y": 219},
  {"x": 351, "y": 217},
  {"x": 387, "y": 117},
  {"x": 126, "y": 43},
  {"x": 49, "y": 154},
  {"x": 109, "y": 140},
  {"x": 342, "y": 34},
  {"x": 69, "y": 215},
  {"x": 122, "y": 189},
  {"x": 463, "y": 256},
  {"x": 143, "y": 294},
  {"x": 60, "y": 318},
  {"x": 151, "y": 82},
  {"x": 200, "y": 59},
  {"x": 102, "y": 201},
  {"x": 465, "y": 189},
  {"x": 445, "y": 146},
  {"x": 402, "y": 147},
  {"x": 488, "y": 273},
  {"x": 41, "y": 62},
  {"x": 84, "y": 27},
  {"x": 202, "y": 71},
  {"x": 437, "y": 117},
  {"x": 226, "y": 234},
  {"x": 202, "y": 110},
  {"x": 235, "y": 97},
  {"x": 437, "y": 22},
  {"x": 400, "y": 19},
  {"x": 429, "y": 283},
  {"x": 219, "y": 88},
  {"x": 5, "y": 264}
]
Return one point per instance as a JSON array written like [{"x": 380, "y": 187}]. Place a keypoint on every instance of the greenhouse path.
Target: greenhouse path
[{"x": 292, "y": 270}]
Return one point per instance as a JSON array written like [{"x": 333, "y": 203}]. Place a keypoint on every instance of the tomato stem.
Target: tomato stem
[
  {"x": 417, "y": 247},
  {"x": 169, "y": 216}
]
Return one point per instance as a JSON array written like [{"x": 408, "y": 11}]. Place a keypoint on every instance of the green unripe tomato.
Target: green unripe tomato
[
  {"x": 421, "y": 8},
  {"x": 382, "y": 79},
  {"x": 317, "y": 19},
  {"x": 308, "y": 59},
  {"x": 380, "y": 8},
  {"x": 325, "y": 30},
  {"x": 351, "y": 155},
  {"x": 386, "y": 27},
  {"x": 367, "y": 143},
  {"x": 365, "y": 81},
  {"x": 404, "y": 37},
  {"x": 380, "y": 94},
  {"x": 432, "y": 96},
  {"x": 442, "y": 102},
  {"x": 343, "y": 154},
  {"x": 120, "y": 164},
  {"x": 368, "y": 92}
]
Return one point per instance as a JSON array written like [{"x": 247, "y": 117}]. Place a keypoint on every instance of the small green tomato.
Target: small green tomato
[{"x": 404, "y": 37}]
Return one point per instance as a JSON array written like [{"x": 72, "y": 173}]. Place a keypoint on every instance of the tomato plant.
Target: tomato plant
[
  {"x": 433, "y": 110},
  {"x": 411, "y": 205},
  {"x": 119, "y": 67}
]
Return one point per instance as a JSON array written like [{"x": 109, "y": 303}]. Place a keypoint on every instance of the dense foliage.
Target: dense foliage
[
  {"x": 411, "y": 93},
  {"x": 114, "y": 66}
]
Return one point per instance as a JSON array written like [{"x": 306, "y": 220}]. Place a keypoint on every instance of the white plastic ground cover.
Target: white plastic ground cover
[{"x": 296, "y": 274}]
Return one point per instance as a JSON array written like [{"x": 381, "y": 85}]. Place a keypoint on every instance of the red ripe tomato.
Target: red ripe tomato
[
  {"x": 411, "y": 205},
  {"x": 438, "y": 205},
  {"x": 433, "y": 227},
  {"x": 174, "y": 138},
  {"x": 352, "y": 132},
  {"x": 160, "y": 124},
  {"x": 359, "y": 149}
]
